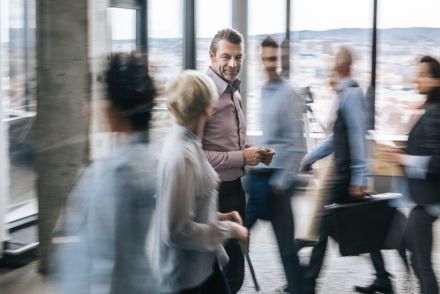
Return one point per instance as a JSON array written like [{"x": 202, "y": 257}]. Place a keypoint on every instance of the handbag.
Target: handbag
[{"x": 367, "y": 226}]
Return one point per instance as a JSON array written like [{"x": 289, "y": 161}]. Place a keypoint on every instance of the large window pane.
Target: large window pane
[
  {"x": 165, "y": 50},
  {"x": 208, "y": 22},
  {"x": 264, "y": 20},
  {"x": 405, "y": 34},
  {"x": 122, "y": 29},
  {"x": 18, "y": 94},
  {"x": 319, "y": 27}
]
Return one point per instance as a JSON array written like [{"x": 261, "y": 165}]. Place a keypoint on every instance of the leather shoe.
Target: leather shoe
[
  {"x": 302, "y": 243},
  {"x": 374, "y": 288}
]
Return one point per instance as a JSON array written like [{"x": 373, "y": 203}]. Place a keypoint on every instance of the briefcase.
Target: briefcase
[{"x": 366, "y": 226}]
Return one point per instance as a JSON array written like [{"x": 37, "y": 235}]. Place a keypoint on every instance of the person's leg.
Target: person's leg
[
  {"x": 257, "y": 190},
  {"x": 232, "y": 197},
  {"x": 215, "y": 284},
  {"x": 320, "y": 198},
  {"x": 419, "y": 234},
  {"x": 382, "y": 283},
  {"x": 318, "y": 254},
  {"x": 284, "y": 228},
  {"x": 382, "y": 276}
]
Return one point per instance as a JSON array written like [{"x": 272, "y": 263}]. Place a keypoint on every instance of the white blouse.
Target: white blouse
[{"x": 189, "y": 235}]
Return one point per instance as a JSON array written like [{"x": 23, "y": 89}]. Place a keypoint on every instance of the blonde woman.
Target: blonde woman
[{"x": 190, "y": 231}]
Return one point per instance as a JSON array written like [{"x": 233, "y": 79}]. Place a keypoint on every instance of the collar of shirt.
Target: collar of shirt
[
  {"x": 274, "y": 84},
  {"x": 346, "y": 83},
  {"x": 221, "y": 84},
  {"x": 187, "y": 134}
]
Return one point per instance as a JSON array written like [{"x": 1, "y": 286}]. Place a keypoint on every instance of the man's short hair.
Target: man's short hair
[
  {"x": 190, "y": 94},
  {"x": 228, "y": 34},
  {"x": 270, "y": 42},
  {"x": 345, "y": 55}
]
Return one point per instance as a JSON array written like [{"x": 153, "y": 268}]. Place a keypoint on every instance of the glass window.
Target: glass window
[
  {"x": 165, "y": 51},
  {"x": 264, "y": 20},
  {"x": 318, "y": 28},
  {"x": 18, "y": 95},
  {"x": 404, "y": 35},
  {"x": 122, "y": 29},
  {"x": 208, "y": 22}
]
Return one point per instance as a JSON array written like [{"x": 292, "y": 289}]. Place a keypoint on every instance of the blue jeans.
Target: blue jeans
[{"x": 264, "y": 204}]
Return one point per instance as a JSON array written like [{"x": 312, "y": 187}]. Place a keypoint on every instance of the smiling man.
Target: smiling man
[{"x": 224, "y": 139}]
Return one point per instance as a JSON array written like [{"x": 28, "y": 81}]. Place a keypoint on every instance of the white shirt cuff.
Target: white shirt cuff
[{"x": 416, "y": 167}]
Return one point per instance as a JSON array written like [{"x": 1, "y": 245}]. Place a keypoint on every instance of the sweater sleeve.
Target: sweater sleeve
[{"x": 178, "y": 197}]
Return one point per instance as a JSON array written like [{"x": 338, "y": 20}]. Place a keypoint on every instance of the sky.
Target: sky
[{"x": 268, "y": 16}]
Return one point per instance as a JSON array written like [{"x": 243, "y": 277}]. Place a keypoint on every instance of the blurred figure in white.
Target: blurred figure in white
[
  {"x": 188, "y": 248},
  {"x": 109, "y": 212}
]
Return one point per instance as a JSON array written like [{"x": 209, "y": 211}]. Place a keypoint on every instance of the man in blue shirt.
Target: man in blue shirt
[
  {"x": 348, "y": 182},
  {"x": 270, "y": 187}
]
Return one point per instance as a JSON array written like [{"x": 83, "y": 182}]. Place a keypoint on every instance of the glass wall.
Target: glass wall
[
  {"x": 318, "y": 28},
  {"x": 18, "y": 94},
  {"x": 122, "y": 29},
  {"x": 208, "y": 22},
  {"x": 404, "y": 35},
  {"x": 165, "y": 51}
]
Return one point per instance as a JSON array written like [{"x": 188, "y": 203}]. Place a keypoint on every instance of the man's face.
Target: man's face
[
  {"x": 228, "y": 59},
  {"x": 270, "y": 59}
]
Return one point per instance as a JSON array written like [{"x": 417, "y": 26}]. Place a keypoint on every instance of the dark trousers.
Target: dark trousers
[
  {"x": 418, "y": 237},
  {"x": 276, "y": 208},
  {"x": 215, "y": 284},
  {"x": 232, "y": 197},
  {"x": 318, "y": 255}
]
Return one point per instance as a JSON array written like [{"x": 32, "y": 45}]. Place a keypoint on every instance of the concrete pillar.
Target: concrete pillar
[
  {"x": 99, "y": 47},
  {"x": 4, "y": 158},
  {"x": 63, "y": 91}
]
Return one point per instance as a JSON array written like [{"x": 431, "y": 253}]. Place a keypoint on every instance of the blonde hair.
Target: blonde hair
[
  {"x": 189, "y": 96},
  {"x": 345, "y": 56}
]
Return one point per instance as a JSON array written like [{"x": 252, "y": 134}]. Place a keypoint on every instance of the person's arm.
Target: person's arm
[
  {"x": 250, "y": 156},
  {"x": 178, "y": 205},
  {"x": 223, "y": 160},
  {"x": 416, "y": 167},
  {"x": 320, "y": 151},
  {"x": 291, "y": 115},
  {"x": 434, "y": 167},
  {"x": 428, "y": 166},
  {"x": 134, "y": 204},
  {"x": 353, "y": 113}
]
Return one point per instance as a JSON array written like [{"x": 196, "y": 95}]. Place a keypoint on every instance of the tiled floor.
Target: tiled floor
[{"x": 339, "y": 275}]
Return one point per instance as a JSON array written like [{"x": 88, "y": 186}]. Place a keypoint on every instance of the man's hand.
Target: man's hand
[
  {"x": 267, "y": 156},
  {"x": 252, "y": 155},
  {"x": 358, "y": 191},
  {"x": 305, "y": 167},
  {"x": 233, "y": 216},
  {"x": 394, "y": 155}
]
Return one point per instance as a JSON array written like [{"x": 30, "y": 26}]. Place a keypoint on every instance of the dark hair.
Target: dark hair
[
  {"x": 230, "y": 35},
  {"x": 434, "y": 70},
  {"x": 270, "y": 42},
  {"x": 130, "y": 89}
]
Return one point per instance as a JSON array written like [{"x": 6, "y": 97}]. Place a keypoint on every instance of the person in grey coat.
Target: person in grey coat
[{"x": 109, "y": 210}]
